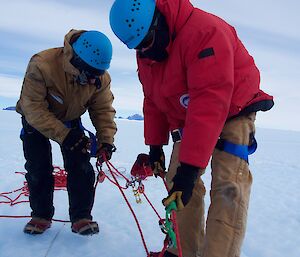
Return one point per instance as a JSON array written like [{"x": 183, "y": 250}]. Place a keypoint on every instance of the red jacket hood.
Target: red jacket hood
[{"x": 176, "y": 12}]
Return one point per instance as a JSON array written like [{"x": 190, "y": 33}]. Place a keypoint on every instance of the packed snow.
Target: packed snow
[{"x": 274, "y": 213}]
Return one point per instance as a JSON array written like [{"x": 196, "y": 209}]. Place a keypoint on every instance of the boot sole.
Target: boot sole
[
  {"x": 33, "y": 231},
  {"x": 87, "y": 230}
]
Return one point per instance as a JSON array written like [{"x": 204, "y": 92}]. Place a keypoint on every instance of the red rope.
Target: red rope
[
  {"x": 14, "y": 216},
  {"x": 21, "y": 217},
  {"x": 110, "y": 166},
  {"x": 152, "y": 206},
  {"x": 124, "y": 188},
  {"x": 176, "y": 230},
  {"x": 115, "y": 171},
  {"x": 60, "y": 178},
  {"x": 12, "y": 201},
  {"x": 161, "y": 254},
  {"x": 60, "y": 183}
]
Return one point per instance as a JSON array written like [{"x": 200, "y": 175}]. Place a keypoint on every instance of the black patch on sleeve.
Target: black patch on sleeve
[{"x": 206, "y": 53}]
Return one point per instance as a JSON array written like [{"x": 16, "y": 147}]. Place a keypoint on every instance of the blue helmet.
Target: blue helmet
[
  {"x": 94, "y": 48},
  {"x": 130, "y": 20}
]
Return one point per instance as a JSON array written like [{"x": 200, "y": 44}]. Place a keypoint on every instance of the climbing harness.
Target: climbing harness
[{"x": 241, "y": 151}]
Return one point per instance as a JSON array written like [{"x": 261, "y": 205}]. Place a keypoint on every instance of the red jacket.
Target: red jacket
[{"x": 208, "y": 77}]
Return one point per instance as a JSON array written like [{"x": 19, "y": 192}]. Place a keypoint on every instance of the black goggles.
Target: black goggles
[{"x": 148, "y": 40}]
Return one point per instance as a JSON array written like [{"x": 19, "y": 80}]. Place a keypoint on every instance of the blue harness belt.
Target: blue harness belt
[
  {"x": 241, "y": 151},
  {"x": 70, "y": 124}
]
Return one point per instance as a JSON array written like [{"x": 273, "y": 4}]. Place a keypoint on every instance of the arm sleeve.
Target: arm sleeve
[
  {"x": 35, "y": 106},
  {"x": 102, "y": 113},
  {"x": 156, "y": 127},
  {"x": 210, "y": 78}
]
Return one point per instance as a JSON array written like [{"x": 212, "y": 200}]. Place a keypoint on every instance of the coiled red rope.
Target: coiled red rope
[{"x": 60, "y": 183}]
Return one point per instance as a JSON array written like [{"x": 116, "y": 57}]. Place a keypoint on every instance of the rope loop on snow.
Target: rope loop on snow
[{"x": 136, "y": 183}]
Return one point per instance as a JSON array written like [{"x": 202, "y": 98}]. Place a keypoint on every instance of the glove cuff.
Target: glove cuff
[
  {"x": 186, "y": 173},
  {"x": 189, "y": 167},
  {"x": 108, "y": 147},
  {"x": 72, "y": 138},
  {"x": 156, "y": 148}
]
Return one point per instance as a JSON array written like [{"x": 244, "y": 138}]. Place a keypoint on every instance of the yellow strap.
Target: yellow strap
[{"x": 175, "y": 196}]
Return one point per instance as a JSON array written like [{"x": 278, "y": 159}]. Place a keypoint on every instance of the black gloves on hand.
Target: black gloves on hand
[
  {"x": 184, "y": 182},
  {"x": 105, "y": 151},
  {"x": 76, "y": 141},
  {"x": 157, "y": 160}
]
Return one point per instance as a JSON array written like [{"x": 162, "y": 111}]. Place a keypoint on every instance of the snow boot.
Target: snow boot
[
  {"x": 166, "y": 254},
  {"x": 37, "y": 226},
  {"x": 85, "y": 227}
]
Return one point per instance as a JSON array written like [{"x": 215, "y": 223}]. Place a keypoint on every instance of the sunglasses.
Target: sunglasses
[
  {"x": 149, "y": 39},
  {"x": 88, "y": 71}
]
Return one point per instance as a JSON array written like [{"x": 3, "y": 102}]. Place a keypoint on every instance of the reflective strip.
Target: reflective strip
[{"x": 57, "y": 98}]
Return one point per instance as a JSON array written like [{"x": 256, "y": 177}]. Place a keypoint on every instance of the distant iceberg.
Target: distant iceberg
[
  {"x": 135, "y": 117},
  {"x": 10, "y": 108}
]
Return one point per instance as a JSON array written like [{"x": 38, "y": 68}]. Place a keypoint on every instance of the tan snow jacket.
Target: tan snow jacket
[{"x": 50, "y": 95}]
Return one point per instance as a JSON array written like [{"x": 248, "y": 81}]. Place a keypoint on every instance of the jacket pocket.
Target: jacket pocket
[{"x": 56, "y": 101}]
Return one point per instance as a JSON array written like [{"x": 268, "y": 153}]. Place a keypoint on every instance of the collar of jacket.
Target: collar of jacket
[
  {"x": 70, "y": 37},
  {"x": 177, "y": 13}
]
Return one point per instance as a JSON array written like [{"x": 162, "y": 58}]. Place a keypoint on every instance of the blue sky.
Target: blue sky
[{"x": 269, "y": 29}]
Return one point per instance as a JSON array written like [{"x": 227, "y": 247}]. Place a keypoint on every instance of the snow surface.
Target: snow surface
[{"x": 274, "y": 214}]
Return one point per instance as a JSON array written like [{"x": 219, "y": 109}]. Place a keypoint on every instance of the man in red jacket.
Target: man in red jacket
[{"x": 200, "y": 84}]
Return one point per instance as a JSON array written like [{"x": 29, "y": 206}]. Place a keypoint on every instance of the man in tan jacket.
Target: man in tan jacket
[{"x": 59, "y": 86}]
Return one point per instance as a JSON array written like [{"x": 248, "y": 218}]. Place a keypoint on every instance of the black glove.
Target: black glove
[
  {"x": 157, "y": 160},
  {"x": 76, "y": 141},
  {"x": 106, "y": 150},
  {"x": 184, "y": 182}
]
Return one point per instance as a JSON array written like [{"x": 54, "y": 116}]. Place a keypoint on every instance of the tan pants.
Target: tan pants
[{"x": 229, "y": 195}]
